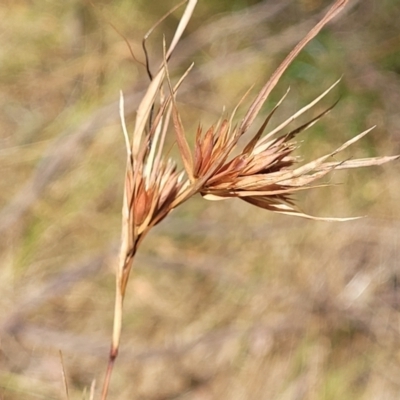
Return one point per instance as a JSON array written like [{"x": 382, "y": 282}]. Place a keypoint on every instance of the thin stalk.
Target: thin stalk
[
  {"x": 117, "y": 327},
  {"x": 125, "y": 265}
]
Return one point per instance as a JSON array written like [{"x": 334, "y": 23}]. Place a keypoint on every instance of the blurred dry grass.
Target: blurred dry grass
[{"x": 226, "y": 301}]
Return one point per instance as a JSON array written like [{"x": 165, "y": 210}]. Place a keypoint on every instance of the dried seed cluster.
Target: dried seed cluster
[{"x": 264, "y": 173}]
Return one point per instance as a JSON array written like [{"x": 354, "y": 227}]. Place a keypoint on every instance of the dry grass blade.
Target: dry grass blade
[
  {"x": 92, "y": 389},
  {"x": 182, "y": 143},
  {"x": 310, "y": 123},
  {"x": 151, "y": 30},
  {"x": 147, "y": 102},
  {"x": 64, "y": 376},
  {"x": 313, "y": 165},
  {"x": 298, "y": 113},
  {"x": 144, "y": 109},
  {"x": 358, "y": 163},
  {"x": 252, "y": 144},
  {"x": 124, "y": 130},
  {"x": 182, "y": 26},
  {"x": 266, "y": 90},
  {"x": 179, "y": 131}
]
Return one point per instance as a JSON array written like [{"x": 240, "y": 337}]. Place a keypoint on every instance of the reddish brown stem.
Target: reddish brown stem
[{"x": 110, "y": 366}]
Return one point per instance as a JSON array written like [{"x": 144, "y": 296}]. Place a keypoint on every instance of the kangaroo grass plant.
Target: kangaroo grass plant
[{"x": 264, "y": 172}]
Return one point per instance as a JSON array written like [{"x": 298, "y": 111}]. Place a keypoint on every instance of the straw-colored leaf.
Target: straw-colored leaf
[
  {"x": 282, "y": 208},
  {"x": 266, "y": 90},
  {"x": 358, "y": 163},
  {"x": 297, "y": 114},
  {"x": 253, "y": 142}
]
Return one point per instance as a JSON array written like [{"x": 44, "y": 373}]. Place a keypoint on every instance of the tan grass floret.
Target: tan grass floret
[{"x": 264, "y": 172}]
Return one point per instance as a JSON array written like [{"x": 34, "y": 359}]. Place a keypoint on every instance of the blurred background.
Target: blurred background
[{"x": 226, "y": 301}]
